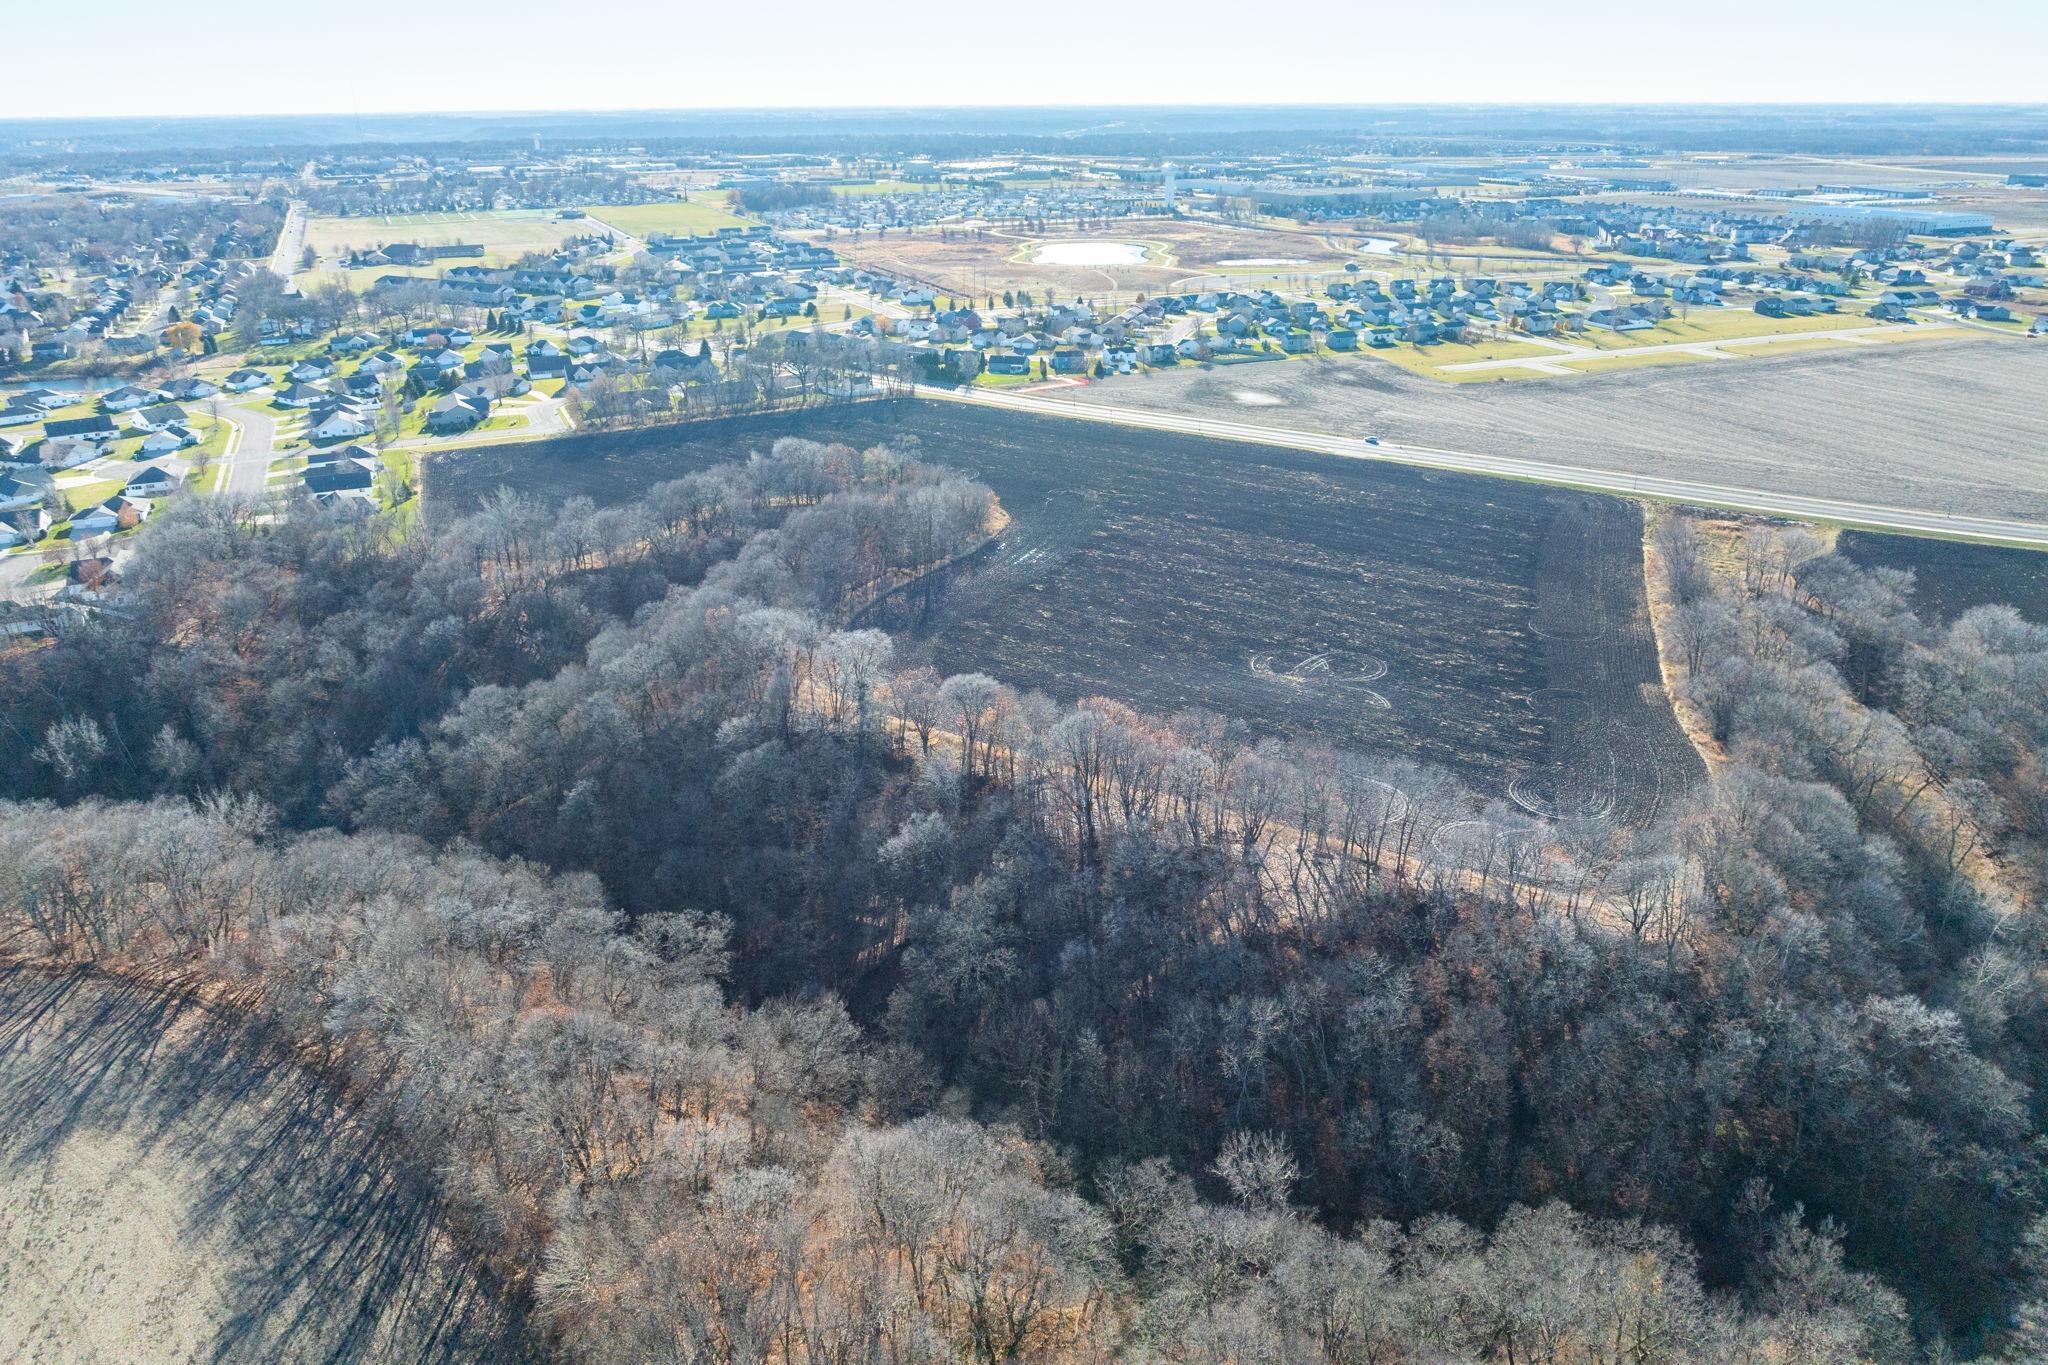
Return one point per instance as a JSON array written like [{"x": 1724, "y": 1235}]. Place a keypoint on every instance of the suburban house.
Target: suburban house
[
  {"x": 159, "y": 416},
  {"x": 458, "y": 412},
  {"x": 100, "y": 428},
  {"x": 191, "y": 390},
  {"x": 66, "y": 452},
  {"x": 92, "y": 574},
  {"x": 117, "y": 513},
  {"x": 16, "y": 494},
  {"x": 242, "y": 381},
  {"x": 493, "y": 386},
  {"x": 339, "y": 455},
  {"x": 345, "y": 478},
  {"x": 1008, "y": 362},
  {"x": 341, "y": 423},
  {"x": 24, "y": 527},
  {"x": 171, "y": 438},
  {"x": 152, "y": 481},
  {"x": 125, "y": 399}
]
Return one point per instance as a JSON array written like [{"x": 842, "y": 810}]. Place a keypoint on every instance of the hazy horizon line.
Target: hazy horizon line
[{"x": 900, "y": 106}]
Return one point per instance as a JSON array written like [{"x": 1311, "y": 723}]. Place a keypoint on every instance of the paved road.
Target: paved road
[
  {"x": 244, "y": 470},
  {"x": 291, "y": 241},
  {"x": 622, "y": 241},
  {"x": 1877, "y": 517},
  {"x": 1712, "y": 348}
]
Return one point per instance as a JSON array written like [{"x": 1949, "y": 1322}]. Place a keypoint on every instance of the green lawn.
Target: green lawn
[
  {"x": 505, "y": 235},
  {"x": 86, "y": 494},
  {"x": 400, "y": 463},
  {"x": 1429, "y": 361},
  {"x": 704, "y": 211},
  {"x": 1714, "y": 324},
  {"x": 213, "y": 437}
]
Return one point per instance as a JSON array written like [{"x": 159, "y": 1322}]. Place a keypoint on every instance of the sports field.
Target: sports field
[
  {"x": 704, "y": 211},
  {"x": 505, "y": 235}
]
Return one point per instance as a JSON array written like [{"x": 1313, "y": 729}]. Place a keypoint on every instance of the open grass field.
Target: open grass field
[
  {"x": 1950, "y": 577},
  {"x": 704, "y": 211},
  {"x": 879, "y": 187},
  {"x": 1957, "y": 427},
  {"x": 1714, "y": 324},
  {"x": 173, "y": 1189},
  {"x": 1491, "y": 628},
  {"x": 1430, "y": 361},
  {"x": 504, "y": 235}
]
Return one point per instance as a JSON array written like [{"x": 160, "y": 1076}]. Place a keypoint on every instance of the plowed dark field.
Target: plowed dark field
[
  {"x": 1493, "y": 628},
  {"x": 1950, "y": 576}
]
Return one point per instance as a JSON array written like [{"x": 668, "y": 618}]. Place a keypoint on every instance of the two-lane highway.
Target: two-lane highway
[{"x": 291, "y": 241}]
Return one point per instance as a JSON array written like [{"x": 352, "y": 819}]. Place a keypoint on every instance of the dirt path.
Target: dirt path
[{"x": 171, "y": 1189}]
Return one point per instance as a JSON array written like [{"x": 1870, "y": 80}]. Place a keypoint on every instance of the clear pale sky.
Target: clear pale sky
[{"x": 123, "y": 57}]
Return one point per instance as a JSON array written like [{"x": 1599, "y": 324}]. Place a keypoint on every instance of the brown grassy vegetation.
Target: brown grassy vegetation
[{"x": 970, "y": 264}]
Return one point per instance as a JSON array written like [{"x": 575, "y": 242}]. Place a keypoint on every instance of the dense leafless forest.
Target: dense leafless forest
[{"x": 753, "y": 998}]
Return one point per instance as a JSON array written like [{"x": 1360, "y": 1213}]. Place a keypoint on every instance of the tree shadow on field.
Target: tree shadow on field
[{"x": 337, "y": 1254}]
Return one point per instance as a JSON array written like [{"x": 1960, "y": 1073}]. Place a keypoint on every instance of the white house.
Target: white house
[
  {"x": 153, "y": 481},
  {"x": 16, "y": 494},
  {"x": 340, "y": 425},
  {"x": 65, "y": 453},
  {"x": 23, "y": 528},
  {"x": 126, "y": 399},
  {"x": 115, "y": 514},
  {"x": 171, "y": 438}
]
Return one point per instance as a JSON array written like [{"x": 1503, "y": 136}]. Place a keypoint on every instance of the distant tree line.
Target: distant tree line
[
  {"x": 454, "y": 191},
  {"x": 780, "y": 195}
]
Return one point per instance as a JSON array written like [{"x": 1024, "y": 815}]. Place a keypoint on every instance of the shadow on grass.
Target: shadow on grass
[{"x": 340, "y": 1258}]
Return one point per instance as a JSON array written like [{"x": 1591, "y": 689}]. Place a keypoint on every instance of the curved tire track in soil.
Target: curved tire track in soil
[{"x": 1153, "y": 566}]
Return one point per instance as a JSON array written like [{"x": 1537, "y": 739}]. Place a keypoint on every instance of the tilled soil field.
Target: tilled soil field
[
  {"x": 1494, "y": 628},
  {"x": 979, "y": 266},
  {"x": 171, "y": 1189},
  {"x": 1950, "y": 577},
  {"x": 1949, "y": 426}
]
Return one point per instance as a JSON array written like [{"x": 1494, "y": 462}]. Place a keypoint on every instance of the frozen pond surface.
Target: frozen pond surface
[{"x": 1090, "y": 252}]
